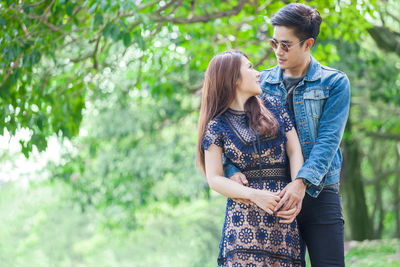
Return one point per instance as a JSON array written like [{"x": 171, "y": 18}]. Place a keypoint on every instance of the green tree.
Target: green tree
[{"x": 53, "y": 51}]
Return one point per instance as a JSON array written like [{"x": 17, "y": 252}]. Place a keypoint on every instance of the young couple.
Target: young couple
[{"x": 276, "y": 135}]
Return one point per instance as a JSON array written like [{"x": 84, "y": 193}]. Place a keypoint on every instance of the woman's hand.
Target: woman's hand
[{"x": 266, "y": 200}]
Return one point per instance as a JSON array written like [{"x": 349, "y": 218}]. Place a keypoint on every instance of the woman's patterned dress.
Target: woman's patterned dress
[{"x": 250, "y": 236}]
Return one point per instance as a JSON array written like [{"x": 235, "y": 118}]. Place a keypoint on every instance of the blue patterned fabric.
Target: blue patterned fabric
[{"x": 250, "y": 236}]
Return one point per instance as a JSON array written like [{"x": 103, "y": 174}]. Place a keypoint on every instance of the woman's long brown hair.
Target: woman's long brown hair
[{"x": 219, "y": 91}]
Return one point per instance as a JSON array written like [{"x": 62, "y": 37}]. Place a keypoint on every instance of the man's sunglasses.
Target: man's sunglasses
[{"x": 285, "y": 46}]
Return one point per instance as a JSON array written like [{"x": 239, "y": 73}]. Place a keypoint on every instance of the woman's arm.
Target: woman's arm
[
  {"x": 293, "y": 150},
  {"x": 292, "y": 195},
  {"x": 213, "y": 161}
]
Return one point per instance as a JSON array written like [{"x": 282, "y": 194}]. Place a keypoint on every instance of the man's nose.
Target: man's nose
[{"x": 279, "y": 50}]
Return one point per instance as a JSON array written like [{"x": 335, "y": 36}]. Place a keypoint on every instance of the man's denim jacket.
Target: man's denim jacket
[{"x": 321, "y": 107}]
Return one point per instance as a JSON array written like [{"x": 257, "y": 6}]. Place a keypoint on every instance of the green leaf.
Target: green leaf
[
  {"x": 115, "y": 32},
  {"x": 41, "y": 121},
  {"x": 70, "y": 9},
  {"x": 26, "y": 61},
  {"x": 139, "y": 40},
  {"x": 107, "y": 30},
  {"x": 26, "y": 147},
  {"x": 2, "y": 21},
  {"x": 26, "y": 10},
  {"x": 15, "y": 75},
  {"x": 126, "y": 39},
  {"x": 104, "y": 5},
  {"x": 35, "y": 57},
  {"x": 111, "y": 30},
  {"x": 5, "y": 90},
  {"x": 93, "y": 8},
  {"x": 10, "y": 53},
  {"x": 98, "y": 19}
]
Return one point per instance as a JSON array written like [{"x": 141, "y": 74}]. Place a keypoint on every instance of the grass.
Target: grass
[{"x": 374, "y": 253}]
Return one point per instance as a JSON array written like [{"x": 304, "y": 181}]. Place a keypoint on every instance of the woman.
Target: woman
[{"x": 258, "y": 136}]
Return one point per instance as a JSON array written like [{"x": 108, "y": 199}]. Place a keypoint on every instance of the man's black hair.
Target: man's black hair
[{"x": 303, "y": 19}]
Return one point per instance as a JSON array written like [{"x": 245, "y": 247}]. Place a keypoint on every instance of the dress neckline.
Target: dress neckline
[{"x": 236, "y": 112}]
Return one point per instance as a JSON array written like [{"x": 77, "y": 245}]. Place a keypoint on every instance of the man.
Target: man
[{"x": 319, "y": 99}]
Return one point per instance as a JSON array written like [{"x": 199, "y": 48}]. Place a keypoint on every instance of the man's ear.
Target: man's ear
[{"x": 309, "y": 43}]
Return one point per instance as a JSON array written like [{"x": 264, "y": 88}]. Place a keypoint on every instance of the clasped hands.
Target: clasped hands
[{"x": 285, "y": 204}]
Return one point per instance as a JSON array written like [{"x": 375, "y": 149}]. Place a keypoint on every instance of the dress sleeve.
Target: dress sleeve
[
  {"x": 287, "y": 117},
  {"x": 281, "y": 111},
  {"x": 212, "y": 135}
]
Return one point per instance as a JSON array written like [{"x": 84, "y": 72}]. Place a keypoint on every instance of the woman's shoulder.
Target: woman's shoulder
[
  {"x": 271, "y": 100},
  {"x": 216, "y": 123},
  {"x": 273, "y": 103}
]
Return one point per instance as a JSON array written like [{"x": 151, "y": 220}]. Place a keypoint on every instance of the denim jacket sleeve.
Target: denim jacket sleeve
[
  {"x": 229, "y": 168},
  {"x": 330, "y": 131}
]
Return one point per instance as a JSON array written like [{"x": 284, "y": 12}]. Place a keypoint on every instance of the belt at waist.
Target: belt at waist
[{"x": 267, "y": 173}]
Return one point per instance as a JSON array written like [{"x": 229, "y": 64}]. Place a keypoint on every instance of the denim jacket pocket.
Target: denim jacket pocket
[{"x": 314, "y": 101}]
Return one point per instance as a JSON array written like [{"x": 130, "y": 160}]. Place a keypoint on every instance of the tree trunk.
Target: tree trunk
[
  {"x": 386, "y": 39},
  {"x": 354, "y": 196}
]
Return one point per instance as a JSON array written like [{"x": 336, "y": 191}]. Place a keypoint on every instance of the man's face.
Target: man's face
[{"x": 292, "y": 60}]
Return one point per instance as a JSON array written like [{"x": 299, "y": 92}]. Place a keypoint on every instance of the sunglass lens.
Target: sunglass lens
[
  {"x": 274, "y": 44},
  {"x": 285, "y": 47}
]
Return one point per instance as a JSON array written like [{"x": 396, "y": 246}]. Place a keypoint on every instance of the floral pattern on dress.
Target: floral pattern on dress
[{"x": 250, "y": 236}]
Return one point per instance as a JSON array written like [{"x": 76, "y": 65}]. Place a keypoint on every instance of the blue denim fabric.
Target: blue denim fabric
[{"x": 321, "y": 108}]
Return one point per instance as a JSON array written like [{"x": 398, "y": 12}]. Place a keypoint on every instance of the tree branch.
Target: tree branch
[
  {"x": 386, "y": 136},
  {"x": 395, "y": 18},
  {"x": 141, "y": 7},
  {"x": 175, "y": 8},
  {"x": 94, "y": 56},
  {"x": 386, "y": 39},
  {"x": 167, "y": 6},
  {"x": 266, "y": 56},
  {"x": 192, "y": 6},
  {"x": 13, "y": 65},
  {"x": 205, "y": 18}
]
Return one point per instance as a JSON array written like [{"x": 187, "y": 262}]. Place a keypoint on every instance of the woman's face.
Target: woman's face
[{"x": 249, "y": 84}]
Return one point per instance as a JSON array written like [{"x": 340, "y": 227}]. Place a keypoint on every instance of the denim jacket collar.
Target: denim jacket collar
[{"x": 313, "y": 73}]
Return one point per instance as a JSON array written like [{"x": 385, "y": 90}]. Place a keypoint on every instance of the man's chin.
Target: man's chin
[{"x": 282, "y": 65}]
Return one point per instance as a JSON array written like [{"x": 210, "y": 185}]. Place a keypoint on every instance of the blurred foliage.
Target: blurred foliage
[
  {"x": 55, "y": 52},
  {"x": 134, "y": 154},
  {"x": 41, "y": 227},
  {"x": 375, "y": 127}
]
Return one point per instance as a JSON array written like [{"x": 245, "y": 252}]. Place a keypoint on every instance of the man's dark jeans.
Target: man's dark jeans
[{"x": 321, "y": 225}]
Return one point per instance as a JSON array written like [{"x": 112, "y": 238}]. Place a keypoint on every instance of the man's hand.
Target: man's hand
[
  {"x": 292, "y": 196},
  {"x": 241, "y": 179},
  {"x": 288, "y": 216}
]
